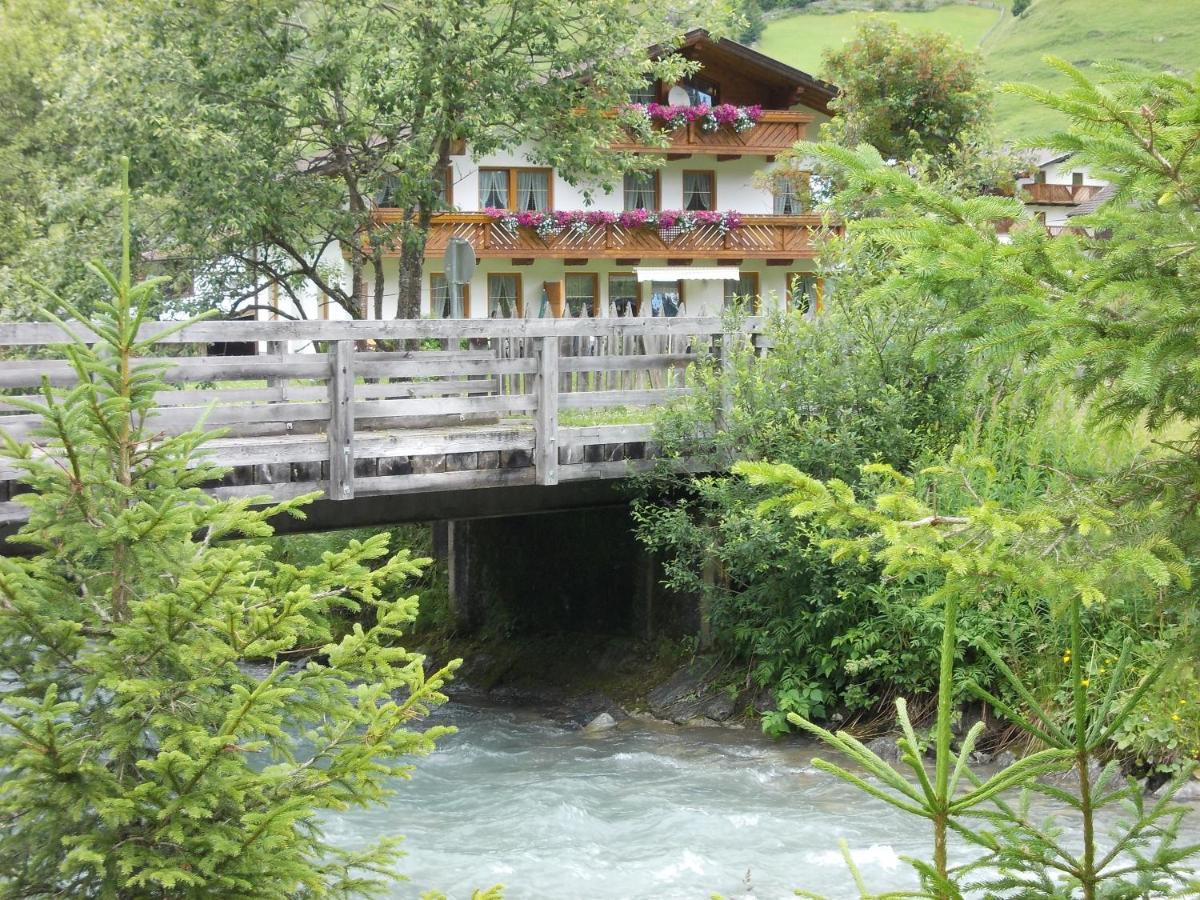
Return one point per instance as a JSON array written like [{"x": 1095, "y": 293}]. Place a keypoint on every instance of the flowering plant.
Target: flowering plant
[
  {"x": 710, "y": 118},
  {"x": 579, "y": 221}
]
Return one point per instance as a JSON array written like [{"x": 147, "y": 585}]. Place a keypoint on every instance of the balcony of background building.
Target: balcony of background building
[{"x": 758, "y": 237}]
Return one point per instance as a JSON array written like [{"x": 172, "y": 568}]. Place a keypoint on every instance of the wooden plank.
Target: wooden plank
[
  {"x": 392, "y": 484},
  {"x": 605, "y": 434},
  {"x": 600, "y": 399},
  {"x": 444, "y": 406},
  {"x": 341, "y": 421},
  {"x": 369, "y": 367},
  {"x": 545, "y": 389},
  {"x": 202, "y": 368},
  {"x": 617, "y": 363},
  {"x": 367, "y": 445},
  {"x": 35, "y": 333}
]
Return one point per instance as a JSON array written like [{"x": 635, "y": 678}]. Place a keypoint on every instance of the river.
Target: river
[{"x": 640, "y": 811}]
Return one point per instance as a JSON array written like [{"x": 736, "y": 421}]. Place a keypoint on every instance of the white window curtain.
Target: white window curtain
[
  {"x": 787, "y": 199},
  {"x": 533, "y": 191},
  {"x": 439, "y": 305},
  {"x": 581, "y": 295},
  {"x": 804, "y": 293},
  {"x": 697, "y": 190},
  {"x": 502, "y": 296},
  {"x": 741, "y": 289},
  {"x": 639, "y": 190},
  {"x": 624, "y": 294},
  {"x": 493, "y": 188}
]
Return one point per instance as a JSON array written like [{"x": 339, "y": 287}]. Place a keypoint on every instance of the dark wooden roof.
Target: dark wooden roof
[{"x": 724, "y": 53}]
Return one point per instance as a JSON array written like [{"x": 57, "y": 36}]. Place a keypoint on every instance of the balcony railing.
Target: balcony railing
[
  {"x": 759, "y": 237},
  {"x": 776, "y": 131},
  {"x": 1059, "y": 194}
]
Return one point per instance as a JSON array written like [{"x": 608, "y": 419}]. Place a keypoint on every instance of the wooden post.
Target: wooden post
[
  {"x": 341, "y": 420},
  {"x": 545, "y": 423},
  {"x": 725, "y": 355},
  {"x": 277, "y": 350}
]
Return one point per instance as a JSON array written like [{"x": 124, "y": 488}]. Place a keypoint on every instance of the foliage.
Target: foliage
[
  {"x": 141, "y": 756},
  {"x": 850, "y": 388},
  {"x": 1019, "y": 6},
  {"x": 1070, "y": 552},
  {"x": 905, "y": 93},
  {"x": 262, "y": 134}
]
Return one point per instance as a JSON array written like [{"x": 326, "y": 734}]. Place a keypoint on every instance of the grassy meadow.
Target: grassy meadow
[{"x": 1160, "y": 34}]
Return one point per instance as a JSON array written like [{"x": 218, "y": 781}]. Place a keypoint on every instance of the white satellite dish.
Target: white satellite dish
[{"x": 678, "y": 96}]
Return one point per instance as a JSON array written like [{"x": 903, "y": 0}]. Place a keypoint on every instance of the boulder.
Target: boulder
[
  {"x": 602, "y": 722},
  {"x": 885, "y": 748}
]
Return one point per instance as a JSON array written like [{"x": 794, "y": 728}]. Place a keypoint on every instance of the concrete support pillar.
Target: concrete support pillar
[{"x": 466, "y": 602}]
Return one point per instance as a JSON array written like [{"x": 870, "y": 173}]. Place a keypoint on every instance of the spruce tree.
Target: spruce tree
[{"x": 143, "y": 755}]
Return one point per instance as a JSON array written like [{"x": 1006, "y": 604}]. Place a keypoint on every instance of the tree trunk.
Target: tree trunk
[
  {"x": 377, "y": 262},
  {"x": 412, "y": 263}
]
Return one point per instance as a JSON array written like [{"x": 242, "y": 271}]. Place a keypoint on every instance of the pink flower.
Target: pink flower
[
  {"x": 529, "y": 218},
  {"x": 635, "y": 218},
  {"x": 495, "y": 212},
  {"x": 668, "y": 217},
  {"x": 599, "y": 217}
]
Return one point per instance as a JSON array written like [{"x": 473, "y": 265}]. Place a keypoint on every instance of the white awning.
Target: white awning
[{"x": 688, "y": 273}]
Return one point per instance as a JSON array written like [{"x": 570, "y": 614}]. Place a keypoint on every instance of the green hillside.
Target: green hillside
[
  {"x": 801, "y": 39},
  {"x": 1158, "y": 34}
]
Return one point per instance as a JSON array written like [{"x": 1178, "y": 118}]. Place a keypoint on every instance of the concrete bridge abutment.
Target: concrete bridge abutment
[{"x": 581, "y": 571}]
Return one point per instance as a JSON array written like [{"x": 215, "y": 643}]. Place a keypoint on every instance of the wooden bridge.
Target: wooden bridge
[{"x": 429, "y": 419}]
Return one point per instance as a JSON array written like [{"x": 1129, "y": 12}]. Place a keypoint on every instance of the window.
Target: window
[
  {"x": 1039, "y": 177},
  {"x": 493, "y": 188},
  {"x": 666, "y": 298},
  {"x": 788, "y": 196},
  {"x": 386, "y": 195},
  {"x": 700, "y": 90},
  {"x": 504, "y": 297},
  {"x": 522, "y": 190},
  {"x": 743, "y": 289},
  {"x": 624, "y": 295},
  {"x": 1076, "y": 179},
  {"x": 699, "y": 190},
  {"x": 641, "y": 190},
  {"x": 581, "y": 290},
  {"x": 1040, "y": 217},
  {"x": 533, "y": 191},
  {"x": 805, "y": 292},
  {"x": 647, "y": 93},
  {"x": 441, "y": 300}
]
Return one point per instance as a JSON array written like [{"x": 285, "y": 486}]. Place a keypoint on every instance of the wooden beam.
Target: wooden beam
[
  {"x": 341, "y": 421},
  {"x": 628, "y": 261},
  {"x": 545, "y": 421},
  {"x": 725, "y": 157},
  {"x": 780, "y": 262},
  {"x": 732, "y": 260},
  {"x": 672, "y": 156},
  {"x": 522, "y": 261},
  {"x": 679, "y": 261},
  {"x": 575, "y": 261}
]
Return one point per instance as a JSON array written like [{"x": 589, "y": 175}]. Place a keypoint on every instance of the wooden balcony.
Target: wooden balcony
[
  {"x": 1058, "y": 194},
  {"x": 776, "y": 131},
  {"x": 759, "y": 237}
]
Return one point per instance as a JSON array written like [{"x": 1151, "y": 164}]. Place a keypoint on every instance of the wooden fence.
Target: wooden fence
[{"x": 366, "y": 408}]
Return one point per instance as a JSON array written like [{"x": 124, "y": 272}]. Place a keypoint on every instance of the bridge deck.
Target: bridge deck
[{"x": 336, "y": 407}]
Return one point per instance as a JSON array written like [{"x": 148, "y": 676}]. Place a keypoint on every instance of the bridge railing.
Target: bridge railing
[{"x": 365, "y": 408}]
